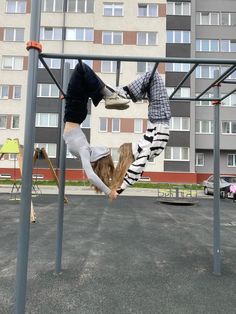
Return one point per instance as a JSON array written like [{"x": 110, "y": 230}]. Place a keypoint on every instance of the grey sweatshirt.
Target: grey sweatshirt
[{"x": 79, "y": 147}]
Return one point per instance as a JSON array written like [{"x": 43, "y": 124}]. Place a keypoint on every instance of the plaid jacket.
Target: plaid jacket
[{"x": 159, "y": 107}]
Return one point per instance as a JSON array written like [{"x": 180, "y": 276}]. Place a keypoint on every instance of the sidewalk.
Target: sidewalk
[{"x": 86, "y": 190}]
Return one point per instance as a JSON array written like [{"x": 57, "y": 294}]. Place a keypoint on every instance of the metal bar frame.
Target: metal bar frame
[
  {"x": 26, "y": 188},
  {"x": 216, "y": 202},
  {"x": 29, "y": 135}
]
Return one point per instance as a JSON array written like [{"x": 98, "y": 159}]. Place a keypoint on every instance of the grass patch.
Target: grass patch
[{"x": 142, "y": 185}]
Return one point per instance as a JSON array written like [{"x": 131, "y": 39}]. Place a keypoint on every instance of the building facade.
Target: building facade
[{"x": 131, "y": 28}]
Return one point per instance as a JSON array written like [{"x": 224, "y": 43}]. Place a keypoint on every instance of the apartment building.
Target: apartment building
[
  {"x": 214, "y": 29},
  {"x": 130, "y": 28}
]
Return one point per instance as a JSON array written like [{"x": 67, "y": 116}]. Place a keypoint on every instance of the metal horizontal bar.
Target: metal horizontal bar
[
  {"x": 142, "y": 59},
  {"x": 229, "y": 82},
  {"x": 193, "y": 99}
]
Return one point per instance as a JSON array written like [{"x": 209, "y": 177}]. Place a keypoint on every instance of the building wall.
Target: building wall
[
  {"x": 129, "y": 24},
  {"x": 204, "y": 142},
  {"x": 12, "y": 106}
]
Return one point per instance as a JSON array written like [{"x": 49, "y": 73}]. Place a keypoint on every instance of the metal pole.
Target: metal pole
[
  {"x": 62, "y": 163},
  {"x": 216, "y": 204},
  {"x": 29, "y": 135},
  {"x": 118, "y": 73}
]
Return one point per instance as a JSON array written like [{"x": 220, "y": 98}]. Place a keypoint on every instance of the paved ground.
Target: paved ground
[{"x": 135, "y": 255}]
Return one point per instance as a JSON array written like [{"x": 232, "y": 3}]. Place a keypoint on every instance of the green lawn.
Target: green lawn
[{"x": 137, "y": 185}]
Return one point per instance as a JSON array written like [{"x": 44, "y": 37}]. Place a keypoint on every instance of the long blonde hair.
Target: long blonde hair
[
  {"x": 104, "y": 169},
  {"x": 126, "y": 158}
]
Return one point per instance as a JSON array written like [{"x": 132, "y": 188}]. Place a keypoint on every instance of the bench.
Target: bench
[{"x": 5, "y": 176}]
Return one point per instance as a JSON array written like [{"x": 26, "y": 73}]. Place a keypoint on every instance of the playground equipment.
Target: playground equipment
[
  {"x": 12, "y": 146},
  {"x": 35, "y": 50},
  {"x": 177, "y": 195}
]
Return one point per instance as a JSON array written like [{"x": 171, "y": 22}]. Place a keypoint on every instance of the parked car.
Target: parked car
[{"x": 225, "y": 182}]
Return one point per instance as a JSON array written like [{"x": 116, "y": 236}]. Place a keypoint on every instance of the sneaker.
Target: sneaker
[
  {"x": 121, "y": 92},
  {"x": 116, "y": 102}
]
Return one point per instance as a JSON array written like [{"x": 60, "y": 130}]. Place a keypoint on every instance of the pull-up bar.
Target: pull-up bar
[{"x": 119, "y": 59}]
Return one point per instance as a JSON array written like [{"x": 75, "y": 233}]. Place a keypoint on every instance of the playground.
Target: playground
[{"x": 134, "y": 255}]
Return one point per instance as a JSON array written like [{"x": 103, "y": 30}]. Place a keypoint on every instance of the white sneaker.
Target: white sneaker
[
  {"x": 121, "y": 92},
  {"x": 116, "y": 102}
]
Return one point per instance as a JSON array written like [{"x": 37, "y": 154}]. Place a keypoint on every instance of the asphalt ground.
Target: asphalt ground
[{"x": 134, "y": 255}]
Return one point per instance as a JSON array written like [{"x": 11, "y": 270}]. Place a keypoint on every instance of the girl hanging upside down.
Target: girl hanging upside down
[
  {"x": 134, "y": 156},
  {"x": 96, "y": 161}
]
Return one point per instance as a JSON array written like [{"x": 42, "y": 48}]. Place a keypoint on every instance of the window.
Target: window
[
  {"x": 16, "y": 6},
  {"x": 15, "y": 122},
  {"x": 143, "y": 67},
  {"x": 112, "y": 38},
  {"x": 4, "y": 91},
  {"x": 47, "y": 90},
  {"x": 228, "y": 19},
  {"x": 13, "y": 34},
  {"x": 138, "y": 126},
  {"x": 80, "y": 34},
  {"x": 3, "y": 121},
  {"x": 228, "y": 45},
  {"x": 178, "y": 8},
  {"x": 115, "y": 125},
  {"x": 51, "y": 33},
  {"x": 46, "y": 120},
  {"x": 12, "y": 63},
  {"x": 204, "y": 126},
  {"x": 80, "y": 6},
  {"x": 199, "y": 159},
  {"x": 229, "y": 101},
  {"x": 204, "y": 102},
  {"x": 52, "y": 63},
  {"x": 231, "y": 160},
  {"x": 180, "y": 124},
  {"x": 113, "y": 9},
  {"x": 115, "y": 154},
  {"x": 228, "y": 127},
  {"x": 181, "y": 92},
  {"x": 210, "y": 45},
  {"x": 86, "y": 123},
  {"x": 147, "y": 10},
  {"x": 208, "y": 18},
  {"x": 108, "y": 66},
  {"x": 103, "y": 124},
  {"x": 16, "y": 92},
  {"x": 205, "y": 71},
  {"x": 178, "y": 37},
  {"x": 176, "y": 153},
  {"x": 52, "y": 5},
  {"x": 50, "y": 148},
  {"x": 177, "y": 67},
  {"x": 146, "y": 38}
]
